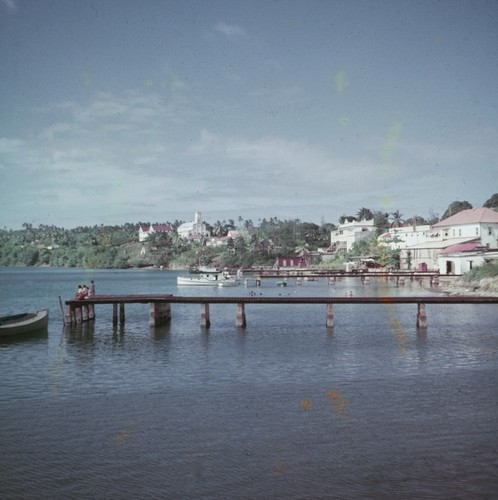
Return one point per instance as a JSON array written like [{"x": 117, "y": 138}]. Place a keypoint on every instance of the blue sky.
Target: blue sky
[{"x": 126, "y": 111}]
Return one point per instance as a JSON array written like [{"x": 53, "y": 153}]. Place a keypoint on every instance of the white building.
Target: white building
[
  {"x": 405, "y": 236},
  {"x": 476, "y": 226},
  {"x": 460, "y": 259},
  {"x": 343, "y": 238},
  {"x": 193, "y": 230},
  {"x": 472, "y": 224}
]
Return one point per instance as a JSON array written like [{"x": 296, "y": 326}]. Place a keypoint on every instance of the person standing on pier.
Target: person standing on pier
[{"x": 91, "y": 292}]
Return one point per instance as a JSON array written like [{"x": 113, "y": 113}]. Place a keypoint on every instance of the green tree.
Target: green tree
[
  {"x": 417, "y": 220},
  {"x": 346, "y": 218},
  {"x": 455, "y": 207},
  {"x": 381, "y": 222},
  {"x": 433, "y": 218},
  {"x": 492, "y": 202}
]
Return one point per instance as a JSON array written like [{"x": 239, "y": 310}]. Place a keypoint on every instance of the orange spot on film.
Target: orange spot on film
[
  {"x": 338, "y": 402},
  {"x": 306, "y": 404}
]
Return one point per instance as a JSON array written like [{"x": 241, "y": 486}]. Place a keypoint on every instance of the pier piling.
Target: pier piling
[
  {"x": 205, "y": 321},
  {"x": 330, "y": 315},
  {"x": 241, "y": 316},
  {"x": 159, "y": 313},
  {"x": 421, "y": 316}
]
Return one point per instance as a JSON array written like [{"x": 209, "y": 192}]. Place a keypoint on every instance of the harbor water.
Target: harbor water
[{"x": 285, "y": 408}]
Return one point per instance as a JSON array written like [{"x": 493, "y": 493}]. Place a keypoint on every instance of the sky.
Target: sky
[{"x": 123, "y": 111}]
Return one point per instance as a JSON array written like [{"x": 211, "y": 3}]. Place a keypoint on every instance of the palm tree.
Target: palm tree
[
  {"x": 381, "y": 222},
  {"x": 254, "y": 243},
  {"x": 364, "y": 214},
  {"x": 176, "y": 240},
  {"x": 396, "y": 219},
  {"x": 218, "y": 229},
  {"x": 302, "y": 248}
]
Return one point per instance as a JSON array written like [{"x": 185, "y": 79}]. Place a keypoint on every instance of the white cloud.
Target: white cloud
[
  {"x": 10, "y": 4},
  {"x": 10, "y": 145},
  {"x": 229, "y": 29},
  {"x": 128, "y": 157},
  {"x": 281, "y": 169}
]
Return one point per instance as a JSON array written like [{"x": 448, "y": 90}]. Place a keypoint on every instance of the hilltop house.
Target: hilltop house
[
  {"x": 450, "y": 241},
  {"x": 232, "y": 235},
  {"x": 144, "y": 231},
  {"x": 193, "y": 230},
  {"x": 343, "y": 238}
]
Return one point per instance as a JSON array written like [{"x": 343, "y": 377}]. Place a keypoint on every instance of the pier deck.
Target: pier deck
[{"x": 78, "y": 311}]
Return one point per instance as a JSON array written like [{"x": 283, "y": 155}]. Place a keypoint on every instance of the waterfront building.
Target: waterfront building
[
  {"x": 462, "y": 258},
  {"x": 301, "y": 260},
  {"x": 450, "y": 241}
]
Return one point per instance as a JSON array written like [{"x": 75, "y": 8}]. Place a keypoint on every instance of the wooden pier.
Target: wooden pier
[
  {"x": 78, "y": 311},
  {"x": 81, "y": 310},
  {"x": 332, "y": 275},
  {"x": 340, "y": 273}
]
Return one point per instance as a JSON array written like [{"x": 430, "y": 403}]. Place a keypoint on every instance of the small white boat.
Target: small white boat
[
  {"x": 207, "y": 279},
  {"x": 23, "y": 323},
  {"x": 229, "y": 282}
]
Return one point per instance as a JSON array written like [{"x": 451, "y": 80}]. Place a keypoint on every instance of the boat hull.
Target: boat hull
[
  {"x": 228, "y": 283},
  {"x": 215, "y": 279},
  {"x": 23, "y": 323}
]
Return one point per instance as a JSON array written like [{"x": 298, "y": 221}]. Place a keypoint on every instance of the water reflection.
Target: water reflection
[
  {"x": 36, "y": 336},
  {"x": 160, "y": 333},
  {"x": 81, "y": 332},
  {"x": 421, "y": 345}
]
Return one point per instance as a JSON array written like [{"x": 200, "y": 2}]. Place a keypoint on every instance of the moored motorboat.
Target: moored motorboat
[
  {"x": 23, "y": 323},
  {"x": 208, "y": 279},
  {"x": 203, "y": 269}
]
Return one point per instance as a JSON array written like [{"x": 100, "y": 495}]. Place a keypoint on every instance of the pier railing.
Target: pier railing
[{"x": 78, "y": 311}]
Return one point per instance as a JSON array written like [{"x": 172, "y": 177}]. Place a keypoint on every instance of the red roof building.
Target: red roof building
[{"x": 147, "y": 229}]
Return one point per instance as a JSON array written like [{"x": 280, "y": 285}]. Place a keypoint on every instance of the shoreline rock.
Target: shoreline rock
[{"x": 486, "y": 287}]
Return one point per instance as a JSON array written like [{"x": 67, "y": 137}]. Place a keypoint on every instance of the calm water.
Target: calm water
[{"x": 283, "y": 409}]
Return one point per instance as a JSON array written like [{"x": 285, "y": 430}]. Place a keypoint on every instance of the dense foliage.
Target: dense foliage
[
  {"x": 118, "y": 246},
  {"x": 455, "y": 207},
  {"x": 489, "y": 270}
]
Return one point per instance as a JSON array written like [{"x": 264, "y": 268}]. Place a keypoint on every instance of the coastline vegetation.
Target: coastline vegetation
[
  {"x": 118, "y": 246},
  {"x": 108, "y": 247},
  {"x": 489, "y": 270},
  {"x": 251, "y": 245}
]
